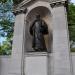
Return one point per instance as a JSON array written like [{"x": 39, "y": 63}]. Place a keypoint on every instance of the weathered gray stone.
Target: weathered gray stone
[
  {"x": 17, "y": 50},
  {"x": 61, "y": 50},
  {"x": 58, "y": 61}
]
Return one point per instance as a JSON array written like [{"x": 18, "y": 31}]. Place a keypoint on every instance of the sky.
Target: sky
[
  {"x": 73, "y": 1},
  {"x": 1, "y": 40}
]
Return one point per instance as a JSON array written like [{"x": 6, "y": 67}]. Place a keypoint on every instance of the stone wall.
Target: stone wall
[
  {"x": 4, "y": 65},
  {"x": 6, "y": 60},
  {"x": 73, "y": 62}
]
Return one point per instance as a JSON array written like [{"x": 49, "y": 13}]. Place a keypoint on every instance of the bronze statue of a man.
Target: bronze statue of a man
[{"x": 38, "y": 29}]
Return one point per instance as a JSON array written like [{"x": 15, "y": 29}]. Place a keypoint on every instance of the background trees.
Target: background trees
[
  {"x": 6, "y": 26},
  {"x": 71, "y": 24}
]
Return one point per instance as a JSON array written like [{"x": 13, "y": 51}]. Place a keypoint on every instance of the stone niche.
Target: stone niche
[
  {"x": 38, "y": 63},
  {"x": 46, "y": 16}
]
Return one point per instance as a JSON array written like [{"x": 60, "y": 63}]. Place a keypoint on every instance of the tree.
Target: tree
[
  {"x": 6, "y": 48},
  {"x": 71, "y": 22},
  {"x": 6, "y": 25}
]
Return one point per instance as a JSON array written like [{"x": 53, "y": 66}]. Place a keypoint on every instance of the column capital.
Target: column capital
[
  {"x": 57, "y": 4},
  {"x": 20, "y": 11}
]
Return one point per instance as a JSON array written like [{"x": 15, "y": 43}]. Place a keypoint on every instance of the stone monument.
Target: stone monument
[{"x": 56, "y": 60}]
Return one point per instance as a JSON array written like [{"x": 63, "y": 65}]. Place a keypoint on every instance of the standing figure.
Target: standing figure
[{"x": 38, "y": 29}]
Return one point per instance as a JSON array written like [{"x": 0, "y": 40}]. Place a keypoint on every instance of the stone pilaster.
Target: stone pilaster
[
  {"x": 17, "y": 48},
  {"x": 61, "y": 49}
]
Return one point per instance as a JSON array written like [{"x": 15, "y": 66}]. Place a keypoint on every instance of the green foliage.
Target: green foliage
[
  {"x": 71, "y": 24},
  {"x": 6, "y": 26},
  {"x": 6, "y": 22},
  {"x": 5, "y": 48},
  {"x": 72, "y": 49},
  {"x": 3, "y": 1},
  {"x": 6, "y": 29},
  {"x": 71, "y": 20}
]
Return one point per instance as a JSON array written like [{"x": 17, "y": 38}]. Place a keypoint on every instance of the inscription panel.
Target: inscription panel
[{"x": 36, "y": 65}]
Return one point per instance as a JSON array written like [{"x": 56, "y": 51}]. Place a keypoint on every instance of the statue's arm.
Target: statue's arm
[
  {"x": 45, "y": 27},
  {"x": 31, "y": 29}
]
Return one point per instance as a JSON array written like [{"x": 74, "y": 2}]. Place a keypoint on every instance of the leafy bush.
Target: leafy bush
[{"x": 72, "y": 49}]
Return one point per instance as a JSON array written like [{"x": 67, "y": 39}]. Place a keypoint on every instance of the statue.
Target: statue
[{"x": 38, "y": 29}]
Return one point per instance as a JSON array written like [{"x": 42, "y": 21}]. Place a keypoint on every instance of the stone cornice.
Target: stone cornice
[
  {"x": 25, "y": 2},
  {"x": 57, "y": 4},
  {"x": 16, "y": 12},
  {"x": 20, "y": 5},
  {"x": 20, "y": 8}
]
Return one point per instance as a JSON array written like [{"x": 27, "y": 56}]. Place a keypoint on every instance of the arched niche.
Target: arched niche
[{"x": 46, "y": 16}]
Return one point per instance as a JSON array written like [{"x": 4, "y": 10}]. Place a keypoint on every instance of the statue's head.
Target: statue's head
[{"x": 37, "y": 16}]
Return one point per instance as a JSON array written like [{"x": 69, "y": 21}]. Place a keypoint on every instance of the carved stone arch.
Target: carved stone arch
[
  {"x": 40, "y": 3},
  {"x": 44, "y": 10}
]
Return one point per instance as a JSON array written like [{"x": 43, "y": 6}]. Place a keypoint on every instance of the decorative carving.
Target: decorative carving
[
  {"x": 54, "y": 1},
  {"x": 25, "y": 2},
  {"x": 20, "y": 11},
  {"x": 56, "y": 4}
]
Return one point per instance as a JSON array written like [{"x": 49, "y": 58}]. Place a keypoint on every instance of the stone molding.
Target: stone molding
[
  {"x": 57, "y": 4},
  {"x": 20, "y": 9},
  {"x": 20, "y": 5},
  {"x": 16, "y": 12},
  {"x": 25, "y": 2}
]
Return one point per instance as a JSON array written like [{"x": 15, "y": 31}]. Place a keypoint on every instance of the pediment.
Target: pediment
[
  {"x": 26, "y": 3},
  {"x": 20, "y": 5}
]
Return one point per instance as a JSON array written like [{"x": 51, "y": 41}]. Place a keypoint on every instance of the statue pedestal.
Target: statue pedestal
[{"x": 36, "y": 64}]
